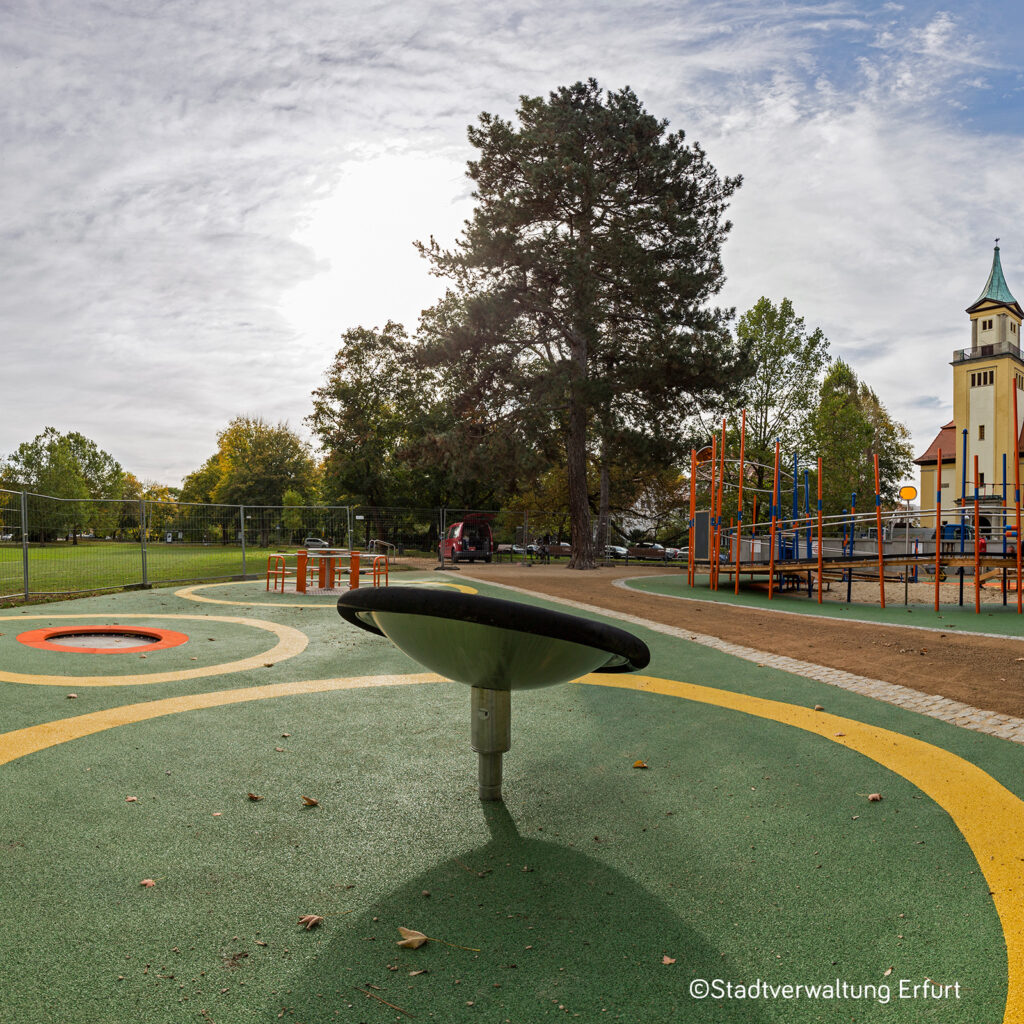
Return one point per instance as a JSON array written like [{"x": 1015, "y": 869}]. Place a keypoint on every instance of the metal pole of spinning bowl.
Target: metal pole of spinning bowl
[{"x": 490, "y": 736}]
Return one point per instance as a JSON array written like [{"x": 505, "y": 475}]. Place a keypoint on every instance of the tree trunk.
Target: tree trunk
[{"x": 579, "y": 502}]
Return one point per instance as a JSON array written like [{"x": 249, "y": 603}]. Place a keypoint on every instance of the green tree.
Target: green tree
[
  {"x": 291, "y": 518},
  {"x": 846, "y": 428},
  {"x": 784, "y": 387},
  {"x": 580, "y": 287},
  {"x": 363, "y": 413},
  {"x": 69, "y": 467},
  {"x": 255, "y": 464}
]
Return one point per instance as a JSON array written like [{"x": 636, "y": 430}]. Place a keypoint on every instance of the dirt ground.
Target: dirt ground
[{"x": 986, "y": 673}]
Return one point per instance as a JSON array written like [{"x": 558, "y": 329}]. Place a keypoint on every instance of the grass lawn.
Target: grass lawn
[{"x": 68, "y": 568}]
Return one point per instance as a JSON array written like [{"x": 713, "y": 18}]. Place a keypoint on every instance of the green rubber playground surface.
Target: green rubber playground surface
[{"x": 746, "y": 853}]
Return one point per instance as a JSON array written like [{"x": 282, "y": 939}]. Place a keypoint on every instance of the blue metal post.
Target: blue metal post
[
  {"x": 963, "y": 517},
  {"x": 1004, "y": 511},
  {"x": 807, "y": 509}
]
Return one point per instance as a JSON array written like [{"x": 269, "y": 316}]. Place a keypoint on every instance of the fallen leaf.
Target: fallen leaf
[
  {"x": 840, "y": 733},
  {"x": 887, "y": 973},
  {"x": 422, "y": 970},
  {"x": 72, "y": 696},
  {"x": 280, "y": 750},
  {"x": 131, "y": 799},
  {"x": 217, "y": 814},
  {"x": 268, "y": 664},
  {"x": 874, "y": 797},
  {"x": 819, "y": 707},
  {"x": 310, "y": 802},
  {"x": 286, "y": 734},
  {"x": 148, "y": 883},
  {"x": 641, "y": 764},
  {"x": 311, "y": 921},
  {"x": 667, "y": 960},
  {"x": 411, "y": 939},
  {"x": 253, "y": 796},
  {"x": 260, "y": 942}
]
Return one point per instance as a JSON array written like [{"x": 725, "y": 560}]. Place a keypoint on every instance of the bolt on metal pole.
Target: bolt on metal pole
[
  {"x": 24, "y": 540},
  {"x": 142, "y": 540}
]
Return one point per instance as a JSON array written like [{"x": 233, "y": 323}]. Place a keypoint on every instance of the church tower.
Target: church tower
[{"x": 984, "y": 378}]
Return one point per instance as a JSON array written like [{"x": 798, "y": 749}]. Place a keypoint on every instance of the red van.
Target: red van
[{"x": 467, "y": 541}]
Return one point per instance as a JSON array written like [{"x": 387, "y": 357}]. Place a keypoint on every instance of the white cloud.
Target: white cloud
[{"x": 197, "y": 200}]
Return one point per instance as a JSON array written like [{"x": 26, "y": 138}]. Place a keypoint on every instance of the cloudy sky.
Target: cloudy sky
[{"x": 196, "y": 199}]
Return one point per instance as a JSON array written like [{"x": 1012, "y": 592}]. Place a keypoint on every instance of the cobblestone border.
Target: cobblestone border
[{"x": 1006, "y": 727}]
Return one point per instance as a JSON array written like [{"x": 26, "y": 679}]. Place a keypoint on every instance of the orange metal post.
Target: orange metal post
[
  {"x": 771, "y": 529},
  {"x": 300, "y": 577},
  {"x": 693, "y": 512},
  {"x": 977, "y": 545},
  {"x": 353, "y": 571},
  {"x": 739, "y": 502},
  {"x": 820, "y": 555},
  {"x": 878, "y": 528},
  {"x": 1016, "y": 491},
  {"x": 938, "y": 527}
]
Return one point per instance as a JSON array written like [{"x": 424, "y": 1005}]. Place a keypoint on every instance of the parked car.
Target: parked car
[
  {"x": 467, "y": 541},
  {"x": 676, "y": 554},
  {"x": 6, "y": 536},
  {"x": 315, "y": 542},
  {"x": 615, "y": 551},
  {"x": 647, "y": 550}
]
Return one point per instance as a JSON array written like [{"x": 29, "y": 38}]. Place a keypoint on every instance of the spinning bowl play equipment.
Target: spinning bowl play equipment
[{"x": 494, "y": 647}]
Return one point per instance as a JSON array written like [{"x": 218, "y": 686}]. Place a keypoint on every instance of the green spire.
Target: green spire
[{"x": 995, "y": 287}]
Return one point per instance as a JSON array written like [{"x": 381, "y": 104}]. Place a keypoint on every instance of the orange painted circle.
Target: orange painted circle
[{"x": 49, "y": 639}]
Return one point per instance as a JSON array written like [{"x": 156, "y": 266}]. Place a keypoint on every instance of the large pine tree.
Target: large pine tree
[{"x": 579, "y": 302}]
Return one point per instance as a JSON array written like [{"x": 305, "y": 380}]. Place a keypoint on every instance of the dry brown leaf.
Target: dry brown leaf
[
  {"x": 819, "y": 707},
  {"x": 667, "y": 960},
  {"x": 874, "y": 797},
  {"x": 411, "y": 939},
  {"x": 131, "y": 799},
  {"x": 311, "y": 921},
  {"x": 147, "y": 883},
  {"x": 280, "y": 750},
  {"x": 286, "y": 734},
  {"x": 310, "y": 802},
  {"x": 641, "y": 764},
  {"x": 72, "y": 696},
  {"x": 887, "y": 973},
  {"x": 253, "y": 796},
  {"x": 422, "y": 970}
]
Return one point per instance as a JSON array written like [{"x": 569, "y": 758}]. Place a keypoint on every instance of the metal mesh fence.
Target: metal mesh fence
[
  {"x": 12, "y": 575},
  {"x": 79, "y": 545}
]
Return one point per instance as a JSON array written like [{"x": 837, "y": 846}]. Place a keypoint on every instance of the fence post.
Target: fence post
[
  {"x": 241, "y": 520},
  {"x": 142, "y": 540},
  {"x": 526, "y": 533},
  {"x": 25, "y": 542}
]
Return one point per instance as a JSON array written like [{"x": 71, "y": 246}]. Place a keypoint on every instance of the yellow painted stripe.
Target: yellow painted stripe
[
  {"x": 289, "y": 643},
  {"x": 192, "y": 594},
  {"x": 38, "y": 737},
  {"x": 988, "y": 815}
]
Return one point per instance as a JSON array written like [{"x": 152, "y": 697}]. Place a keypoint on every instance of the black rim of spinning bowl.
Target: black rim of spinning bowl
[{"x": 493, "y": 611}]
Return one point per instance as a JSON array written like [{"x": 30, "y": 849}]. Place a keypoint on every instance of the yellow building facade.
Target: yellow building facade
[{"x": 985, "y": 377}]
